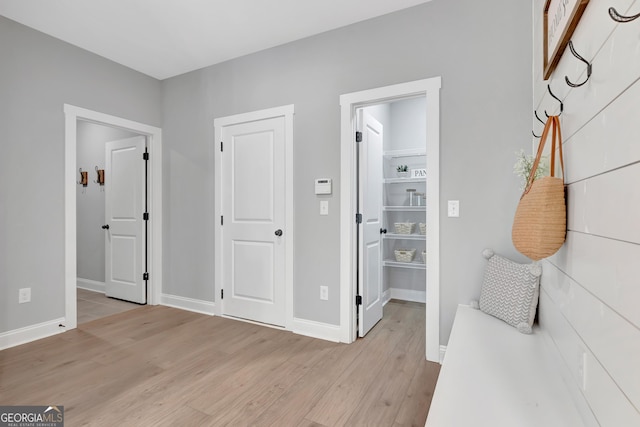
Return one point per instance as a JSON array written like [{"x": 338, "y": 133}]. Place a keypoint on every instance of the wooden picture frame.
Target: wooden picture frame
[{"x": 560, "y": 19}]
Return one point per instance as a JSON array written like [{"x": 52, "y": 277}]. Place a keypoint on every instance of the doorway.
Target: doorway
[
  {"x": 153, "y": 135},
  {"x": 108, "y": 176},
  {"x": 254, "y": 204},
  {"x": 350, "y": 103}
]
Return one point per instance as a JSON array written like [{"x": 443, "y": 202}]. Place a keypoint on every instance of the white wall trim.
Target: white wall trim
[
  {"x": 189, "y": 304},
  {"x": 286, "y": 111},
  {"x": 154, "y": 140},
  {"x": 91, "y": 285},
  {"x": 443, "y": 351},
  {"x": 348, "y": 103},
  {"x": 408, "y": 295},
  {"x": 310, "y": 328},
  {"x": 386, "y": 296},
  {"x": 31, "y": 333}
]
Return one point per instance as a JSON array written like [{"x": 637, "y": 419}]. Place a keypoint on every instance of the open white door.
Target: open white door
[
  {"x": 370, "y": 203},
  {"x": 253, "y": 221},
  {"x": 124, "y": 227}
]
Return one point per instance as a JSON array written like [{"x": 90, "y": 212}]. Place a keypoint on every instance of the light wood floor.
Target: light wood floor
[
  {"x": 158, "y": 366},
  {"x": 96, "y": 305}
]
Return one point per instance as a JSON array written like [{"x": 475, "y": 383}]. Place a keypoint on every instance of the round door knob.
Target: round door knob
[
  {"x": 105, "y": 227},
  {"x": 383, "y": 231},
  {"x": 278, "y": 232}
]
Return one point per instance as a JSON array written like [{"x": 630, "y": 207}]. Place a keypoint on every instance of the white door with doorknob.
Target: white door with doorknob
[
  {"x": 369, "y": 237},
  {"x": 254, "y": 236},
  {"x": 124, "y": 225}
]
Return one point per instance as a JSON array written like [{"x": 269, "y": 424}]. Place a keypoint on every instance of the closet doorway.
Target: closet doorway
[
  {"x": 153, "y": 227},
  {"x": 110, "y": 252},
  {"x": 391, "y": 165},
  {"x": 407, "y": 279}
]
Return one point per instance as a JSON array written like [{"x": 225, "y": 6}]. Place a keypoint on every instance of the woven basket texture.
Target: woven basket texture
[
  {"x": 423, "y": 228},
  {"x": 404, "y": 227},
  {"x": 540, "y": 223},
  {"x": 404, "y": 255}
]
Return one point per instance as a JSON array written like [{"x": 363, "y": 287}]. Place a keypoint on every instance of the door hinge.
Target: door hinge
[
  {"x": 221, "y": 146},
  {"x": 358, "y": 136},
  {"x": 145, "y": 156},
  {"x": 358, "y": 299},
  {"x": 221, "y": 293},
  {"x": 221, "y": 219},
  {"x": 145, "y": 216},
  {"x": 358, "y": 218},
  {"x": 145, "y": 276}
]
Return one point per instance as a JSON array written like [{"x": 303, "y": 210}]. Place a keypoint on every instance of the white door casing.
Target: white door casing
[
  {"x": 370, "y": 204},
  {"x": 124, "y": 206},
  {"x": 154, "y": 140},
  {"x": 255, "y": 233},
  {"x": 430, "y": 88}
]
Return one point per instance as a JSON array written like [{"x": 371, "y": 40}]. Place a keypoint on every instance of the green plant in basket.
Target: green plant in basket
[
  {"x": 402, "y": 168},
  {"x": 524, "y": 164}
]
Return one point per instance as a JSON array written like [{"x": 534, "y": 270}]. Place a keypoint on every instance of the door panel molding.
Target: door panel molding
[
  {"x": 154, "y": 141},
  {"x": 219, "y": 123}
]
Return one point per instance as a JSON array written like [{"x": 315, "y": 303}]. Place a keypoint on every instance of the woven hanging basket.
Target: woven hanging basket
[{"x": 540, "y": 223}]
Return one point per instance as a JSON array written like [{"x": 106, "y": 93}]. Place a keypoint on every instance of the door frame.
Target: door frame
[
  {"x": 154, "y": 143},
  {"x": 287, "y": 112},
  {"x": 430, "y": 88}
]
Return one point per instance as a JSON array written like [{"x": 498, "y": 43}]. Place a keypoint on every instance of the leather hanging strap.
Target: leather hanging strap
[{"x": 553, "y": 124}]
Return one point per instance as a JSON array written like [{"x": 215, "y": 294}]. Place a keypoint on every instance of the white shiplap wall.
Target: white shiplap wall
[{"x": 590, "y": 298}]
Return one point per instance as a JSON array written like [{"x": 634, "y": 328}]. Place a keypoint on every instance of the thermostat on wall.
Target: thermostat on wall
[{"x": 323, "y": 186}]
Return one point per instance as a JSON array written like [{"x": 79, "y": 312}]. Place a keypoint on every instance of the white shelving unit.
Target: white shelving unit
[{"x": 396, "y": 208}]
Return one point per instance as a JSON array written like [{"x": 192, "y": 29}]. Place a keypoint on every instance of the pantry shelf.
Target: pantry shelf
[{"x": 414, "y": 264}]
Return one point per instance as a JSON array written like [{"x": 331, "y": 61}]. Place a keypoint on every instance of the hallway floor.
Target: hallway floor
[{"x": 96, "y": 305}]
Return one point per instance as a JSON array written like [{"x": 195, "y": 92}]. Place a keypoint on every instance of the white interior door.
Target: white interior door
[
  {"x": 253, "y": 232},
  {"x": 124, "y": 226},
  {"x": 370, "y": 202}
]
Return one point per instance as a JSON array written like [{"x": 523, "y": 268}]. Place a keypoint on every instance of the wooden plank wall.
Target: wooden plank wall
[{"x": 591, "y": 287}]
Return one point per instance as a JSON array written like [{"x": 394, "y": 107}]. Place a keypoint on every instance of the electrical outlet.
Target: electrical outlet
[
  {"x": 324, "y": 293},
  {"x": 24, "y": 295}
]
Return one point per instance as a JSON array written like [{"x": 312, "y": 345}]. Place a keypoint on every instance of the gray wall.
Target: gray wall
[
  {"x": 38, "y": 74},
  {"x": 482, "y": 50},
  {"x": 90, "y": 200}
]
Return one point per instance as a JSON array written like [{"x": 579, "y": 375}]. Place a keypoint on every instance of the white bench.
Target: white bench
[{"x": 492, "y": 375}]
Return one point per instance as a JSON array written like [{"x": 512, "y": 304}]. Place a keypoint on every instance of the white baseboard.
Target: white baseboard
[
  {"x": 31, "y": 333},
  {"x": 408, "y": 295},
  {"x": 386, "y": 296},
  {"x": 189, "y": 304},
  {"x": 310, "y": 328},
  {"x": 91, "y": 285},
  {"x": 443, "y": 350}
]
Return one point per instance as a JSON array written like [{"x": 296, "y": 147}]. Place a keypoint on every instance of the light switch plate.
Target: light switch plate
[
  {"x": 453, "y": 208},
  {"x": 324, "y": 207}
]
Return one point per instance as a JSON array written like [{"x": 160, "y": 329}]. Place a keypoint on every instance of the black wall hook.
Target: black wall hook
[
  {"x": 613, "y": 13},
  {"x": 540, "y": 120},
  {"x": 589, "y": 67},
  {"x": 557, "y": 99}
]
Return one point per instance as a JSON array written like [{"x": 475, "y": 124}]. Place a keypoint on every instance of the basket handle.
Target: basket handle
[{"x": 553, "y": 122}]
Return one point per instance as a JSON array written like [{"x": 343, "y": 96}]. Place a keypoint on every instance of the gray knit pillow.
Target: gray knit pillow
[{"x": 510, "y": 291}]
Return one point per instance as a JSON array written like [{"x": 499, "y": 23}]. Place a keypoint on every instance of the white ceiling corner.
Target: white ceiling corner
[{"x": 165, "y": 38}]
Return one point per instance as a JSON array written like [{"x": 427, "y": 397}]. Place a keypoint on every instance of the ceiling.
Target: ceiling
[{"x": 165, "y": 38}]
